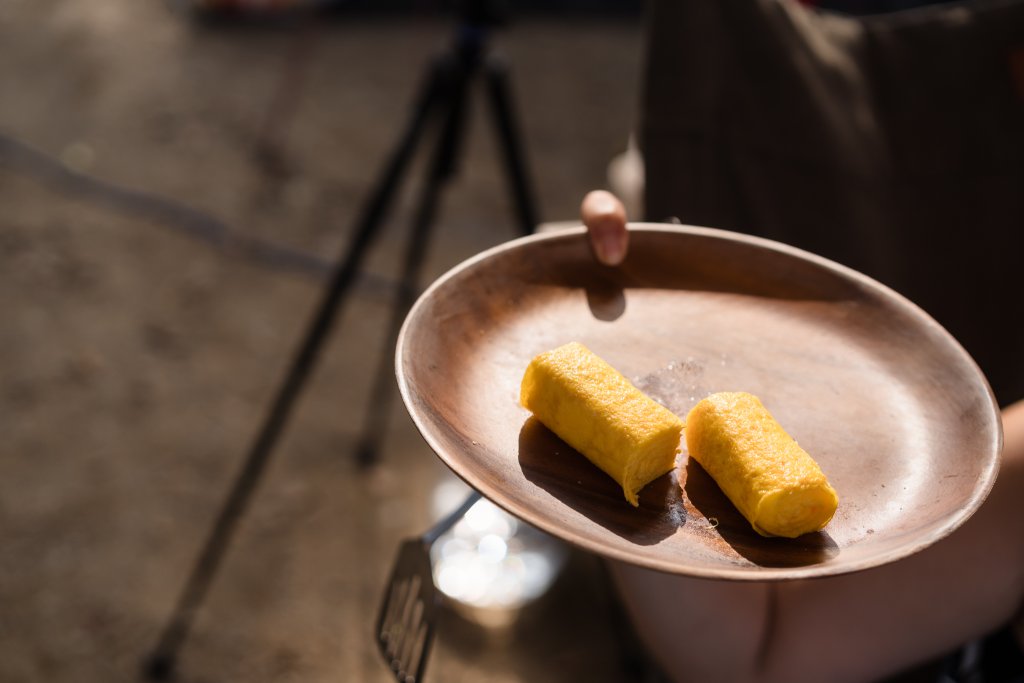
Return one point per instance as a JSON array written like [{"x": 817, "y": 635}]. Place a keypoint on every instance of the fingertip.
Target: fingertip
[{"x": 598, "y": 204}]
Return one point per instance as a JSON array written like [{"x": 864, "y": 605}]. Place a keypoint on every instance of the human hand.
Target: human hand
[{"x": 605, "y": 218}]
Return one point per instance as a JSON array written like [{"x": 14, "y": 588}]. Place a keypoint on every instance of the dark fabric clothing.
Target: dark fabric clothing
[
  {"x": 867, "y": 7},
  {"x": 893, "y": 144}
]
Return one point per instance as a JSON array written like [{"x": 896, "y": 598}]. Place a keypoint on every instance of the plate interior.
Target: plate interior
[{"x": 894, "y": 411}]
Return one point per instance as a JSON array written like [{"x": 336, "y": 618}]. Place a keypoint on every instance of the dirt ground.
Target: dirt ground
[{"x": 143, "y": 336}]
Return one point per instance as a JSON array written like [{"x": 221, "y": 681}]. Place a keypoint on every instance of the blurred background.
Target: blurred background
[{"x": 175, "y": 182}]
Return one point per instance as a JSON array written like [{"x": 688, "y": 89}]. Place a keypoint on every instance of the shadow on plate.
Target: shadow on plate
[
  {"x": 606, "y": 299},
  {"x": 708, "y": 501},
  {"x": 556, "y": 467}
]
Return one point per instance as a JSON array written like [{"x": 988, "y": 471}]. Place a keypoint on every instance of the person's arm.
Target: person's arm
[{"x": 856, "y": 627}]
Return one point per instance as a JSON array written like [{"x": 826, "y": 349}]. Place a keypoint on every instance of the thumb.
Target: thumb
[{"x": 605, "y": 219}]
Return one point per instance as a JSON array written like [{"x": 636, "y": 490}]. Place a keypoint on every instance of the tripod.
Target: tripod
[{"x": 441, "y": 103}]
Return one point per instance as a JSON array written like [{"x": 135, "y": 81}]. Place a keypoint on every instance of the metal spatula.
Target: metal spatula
[{"x": 408, "y": 613}]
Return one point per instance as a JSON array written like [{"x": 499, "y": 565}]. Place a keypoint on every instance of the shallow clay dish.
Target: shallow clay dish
[{"x": 895, "y": 412}]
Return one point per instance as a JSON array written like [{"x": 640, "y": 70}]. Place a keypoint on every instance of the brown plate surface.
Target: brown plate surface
[{"x": 892, "y": 408}]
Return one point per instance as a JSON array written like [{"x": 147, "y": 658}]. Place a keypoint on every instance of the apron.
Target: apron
[{"x": 893, "y": 144}]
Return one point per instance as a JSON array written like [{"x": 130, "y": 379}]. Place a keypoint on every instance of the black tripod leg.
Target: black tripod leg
[
  {"x": 442, "y": 168},
  {"x": 500, "y": 95},
  {"x": 161, "y": 662}
]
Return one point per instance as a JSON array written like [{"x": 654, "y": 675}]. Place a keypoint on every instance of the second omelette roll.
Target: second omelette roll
[{"x": 773, "y": 482}]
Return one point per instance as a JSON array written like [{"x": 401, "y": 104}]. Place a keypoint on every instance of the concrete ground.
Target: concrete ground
[{"x": 143, "y": 334}]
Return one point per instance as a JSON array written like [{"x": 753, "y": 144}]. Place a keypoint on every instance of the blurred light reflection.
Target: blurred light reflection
[{"x": 490, "y": 565}]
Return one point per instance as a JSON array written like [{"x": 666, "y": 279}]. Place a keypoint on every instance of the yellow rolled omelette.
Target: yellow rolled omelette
[
  {"x": 597, "y": 411},
  {"x": 777, "y": 486}
]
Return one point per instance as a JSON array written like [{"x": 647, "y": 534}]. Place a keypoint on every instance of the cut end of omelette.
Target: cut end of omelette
[
  {"x": 597, "y": 411},
  {"x": 770, "y": 479},
  {"x": 795, "y": 512}
]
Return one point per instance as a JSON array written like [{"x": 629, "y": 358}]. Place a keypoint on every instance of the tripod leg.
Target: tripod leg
[
  {"x": 161, "y": 662},
  {"x": 443, "y": 167},
  {"x": 500, "y": 95}
]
